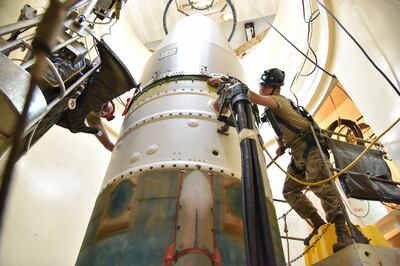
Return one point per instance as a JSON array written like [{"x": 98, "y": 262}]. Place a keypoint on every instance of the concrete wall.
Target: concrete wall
[{"x": 51, "y": 199}]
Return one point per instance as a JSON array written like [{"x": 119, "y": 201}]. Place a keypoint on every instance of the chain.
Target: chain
[
  {"x": 285, "y": 214},
  {"x": 311, "y": 246},
  {"x": 285, "y": 229}
]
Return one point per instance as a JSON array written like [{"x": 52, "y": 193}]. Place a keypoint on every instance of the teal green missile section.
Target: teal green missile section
[{"x": 135, "y": 219}]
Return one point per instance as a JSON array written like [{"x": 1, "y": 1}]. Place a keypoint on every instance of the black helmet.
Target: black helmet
[{"x": 272, "y": 77}]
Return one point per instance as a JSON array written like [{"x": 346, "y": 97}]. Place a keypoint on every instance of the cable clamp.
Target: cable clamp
[{"x": 246, "y": 133}]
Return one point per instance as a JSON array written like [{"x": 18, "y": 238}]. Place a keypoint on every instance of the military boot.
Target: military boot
[
  {"x": 317, "y": 222},
  {"x": 360, "y": 237},
  {"x": 343, "y": 238}
]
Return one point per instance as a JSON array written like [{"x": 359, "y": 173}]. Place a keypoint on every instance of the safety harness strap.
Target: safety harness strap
[
  {"x": 287, "y": 124},
  {"x": 310, "y": 142}
]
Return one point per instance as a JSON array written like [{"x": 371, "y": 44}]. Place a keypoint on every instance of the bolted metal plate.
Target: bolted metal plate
[{"x": 14, "y": 82}]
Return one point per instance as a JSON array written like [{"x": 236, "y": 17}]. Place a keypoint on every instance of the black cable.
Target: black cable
[
  {"x": 312, "y": 18},
  {"x": 261, "y": 207},
  {"x": 286, "y": 39},
  {"x": 360, "y": 47},
  {"x": 229, "y": 2},
  {"x": 309, "y": 40},
  {"x": 249, "y": 215},
  {"x": 257, "y": 233},
  {"x": 100, "y": 23},
  {"x": 109, "y": 29},
  {"x": 165, "y": 17},
  {"x": 201, "y": 9}
]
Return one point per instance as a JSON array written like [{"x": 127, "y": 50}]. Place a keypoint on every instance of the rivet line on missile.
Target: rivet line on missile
[
  {"x": 140, "y": 101},
  {"x": 167, "y": 77},
  {"x": 146, "y": 100},
  {"x": 163, "y": 80},
  {"x": 131, "y": 171},
  {"x": 190, "y": 91},
  {"x": 165, "y": 115}
]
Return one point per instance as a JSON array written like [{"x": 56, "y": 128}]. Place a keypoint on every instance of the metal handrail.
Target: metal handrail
[
  {"x": 9, "y": 46},
  {"x": 56, "y": 101},
  {"x": 342, "y": 135},
  {"x": 20, "y": 25},
  {"x": 57, "y": 47}
]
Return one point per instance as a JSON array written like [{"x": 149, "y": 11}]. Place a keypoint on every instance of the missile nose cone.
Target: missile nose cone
[{"x": 195, "y": 46}]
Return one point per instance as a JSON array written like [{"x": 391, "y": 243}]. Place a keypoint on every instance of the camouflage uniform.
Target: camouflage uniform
[
  {"x": 310, "y": 169},
  {"x": 314, "y": 171}
]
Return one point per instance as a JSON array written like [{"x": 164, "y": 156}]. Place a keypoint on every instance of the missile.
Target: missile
[{"x": 172, "y": 192}]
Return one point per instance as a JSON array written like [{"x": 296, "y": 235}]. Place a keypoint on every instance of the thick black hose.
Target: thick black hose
[
  {"x": 259, "y": 240},
  {"x": 266, "y": 241},
  {"x": 249, "y": 204}
]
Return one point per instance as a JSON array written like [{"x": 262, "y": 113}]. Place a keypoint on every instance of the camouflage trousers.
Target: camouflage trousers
[{"x": 310, "y": 170}]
